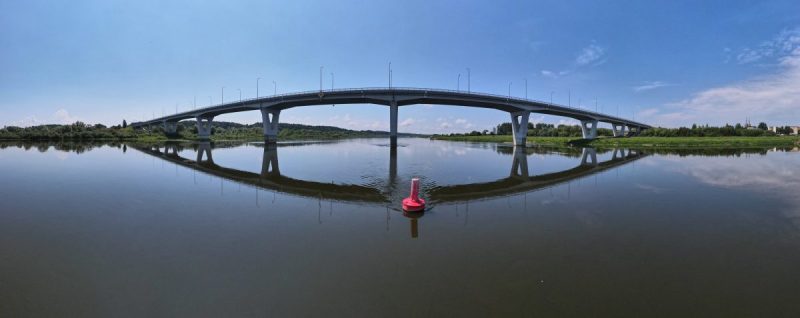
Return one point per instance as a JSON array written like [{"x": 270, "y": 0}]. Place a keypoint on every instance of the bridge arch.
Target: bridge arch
[{"x": 518, "y": 109}]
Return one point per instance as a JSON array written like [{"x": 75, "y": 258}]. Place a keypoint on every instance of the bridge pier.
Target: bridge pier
[
  {"x": 619, "y": 130},
  {"x": 269, "y": 163},
  {"x": 589, "y": 154},
  {"x": 634, "y": 130},
  {"x": 269, "y": 119},
  {"x": 170, "y": 127},
  {"x": 393, "y": 123},
  {"x": 589, "y": 129},
  {"x": 204, "y": 127},
  {"x": 519, "y": 127}
]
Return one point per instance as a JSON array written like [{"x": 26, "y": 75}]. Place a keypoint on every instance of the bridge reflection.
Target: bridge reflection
[{"x": 270, "y": 177}]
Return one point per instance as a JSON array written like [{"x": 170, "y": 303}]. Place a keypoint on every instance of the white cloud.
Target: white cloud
[
  {"x": 782, "y": 44},
  {"x": 646, "y": 86},
  {"x": 407, "y": 122},
  {"x": 62, "y": 116},
  {"x": 461, "y": 121},
  {"x": 773, "y": 98},
  {"x": 591, "y": 54}
]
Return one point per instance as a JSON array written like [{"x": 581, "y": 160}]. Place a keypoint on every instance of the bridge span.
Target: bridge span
[{"x": 519, "y": 110}]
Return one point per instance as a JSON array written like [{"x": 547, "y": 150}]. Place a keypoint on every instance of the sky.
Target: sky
[{"x": 665, "y": 63}]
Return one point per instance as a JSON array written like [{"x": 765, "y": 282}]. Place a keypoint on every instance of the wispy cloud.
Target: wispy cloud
[
  {"x": 646, "y": 86},
  {"x": 782, "y": 44},
  {"x": 772, "y": 97},
  {"x": 407, "y": 122},
  {"x": 60, "y": 116},
  {"x": 591, "y": 54}
]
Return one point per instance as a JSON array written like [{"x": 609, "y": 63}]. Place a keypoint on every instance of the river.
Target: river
[{"x": 316, "y": 229}]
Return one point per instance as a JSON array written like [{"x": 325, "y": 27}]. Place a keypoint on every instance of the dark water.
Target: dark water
[{"x": 316, "y": 230}]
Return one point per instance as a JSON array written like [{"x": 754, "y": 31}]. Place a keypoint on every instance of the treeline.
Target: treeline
[
  {"x": 538, "y": 130},
  {"x": 76, "y": 131},
  {"x": 551, "y": 130},
  {"x": 737, "y": 130},
  {"x": 185, "y": 130}
]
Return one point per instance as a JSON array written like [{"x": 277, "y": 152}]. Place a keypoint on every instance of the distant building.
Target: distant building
[{"x": 795, "y": 129}]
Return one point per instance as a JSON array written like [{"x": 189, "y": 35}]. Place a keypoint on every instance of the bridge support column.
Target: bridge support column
[
  {"x": 170, "y": 127},
  {"x": 589, "y": 129},
  {"x": 269, "y": 118},
  {"x": 619, "y": 130},
  {"x": 519, "y": 127},
  {"x": 589, "y": 157},
  {"x": 393, "y": 123},
  {"x": 634, "y": 130},
  {"x": 204, "y": 127}
]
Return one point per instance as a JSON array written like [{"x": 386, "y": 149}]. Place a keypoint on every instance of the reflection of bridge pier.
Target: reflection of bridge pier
[
  {"x": 519, "y": 165},
  {"x": 589, "y": 157},
  {"x": 269, "y": 162},
  {"x": 204, "y": 149},
  {"x": 392, "y": 182}
]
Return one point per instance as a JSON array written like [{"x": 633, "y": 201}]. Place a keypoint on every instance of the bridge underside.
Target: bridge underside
[{"x": 519, "y": 110}]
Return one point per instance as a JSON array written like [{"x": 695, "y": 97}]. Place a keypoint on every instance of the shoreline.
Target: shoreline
[{"x": 642, "y": 142}]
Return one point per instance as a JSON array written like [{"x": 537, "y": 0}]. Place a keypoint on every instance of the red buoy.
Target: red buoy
[{"x": 413, "y": 203}]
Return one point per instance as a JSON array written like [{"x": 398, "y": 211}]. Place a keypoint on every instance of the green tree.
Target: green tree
[
  {"x": 124, "y": 124},
  {"x": 763, "y": 126}
]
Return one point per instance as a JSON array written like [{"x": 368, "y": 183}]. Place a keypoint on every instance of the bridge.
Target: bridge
[
  {"x": 270, "y": 178},
  {"x": 519, "y": 110}
]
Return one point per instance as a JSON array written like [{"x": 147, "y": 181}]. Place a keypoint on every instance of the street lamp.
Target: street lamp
[
  {"x": 209, "y": 101},
  {"x": 240, "y": 94},
  {"x": 275, "y": 86},
  {"x": 468, "y": 80},
  {"x": 257, "y": 86},
  {"x": 458, "y": 83},
  {"x": 526, "y": 88},
  {"x": 390, "y": 74},
  {"x": 509, "y": 90},
  {"x": 332, "y": 80},
  {"x": 222, "y": 98},
  {"x": 320, "y": 78},
  {"x": 551, "y": 98}
]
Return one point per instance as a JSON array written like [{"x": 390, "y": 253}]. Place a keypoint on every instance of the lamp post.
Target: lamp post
[
  {"x": 458, "y": 83},
  {"x": 257, "y": 86},
  {"x": 209, "y": 101},
  {"x": 332, "y": 78},
  {"x": 468, "y": 79},
  {"x": 551, "y": 98},
  {"x": 240, "y": 94},
  {"x": 275, "y": 86},
  {"x": 509, "y": 90},
  {"x": 222, "y": 98},
  {"x": 320, "y": 78},
  {"x": 526, "y": 88}
]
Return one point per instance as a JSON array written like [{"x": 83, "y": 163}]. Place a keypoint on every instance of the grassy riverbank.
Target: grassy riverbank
[{"x": 642, "y": 142}]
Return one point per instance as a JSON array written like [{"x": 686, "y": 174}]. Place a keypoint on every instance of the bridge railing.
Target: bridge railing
[{"x": 274, "y": 97}]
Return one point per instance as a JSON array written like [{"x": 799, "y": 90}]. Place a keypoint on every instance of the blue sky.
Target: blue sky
[{"x": 667, "y": 63}]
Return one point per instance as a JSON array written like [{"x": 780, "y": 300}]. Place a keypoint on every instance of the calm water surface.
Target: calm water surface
[{"x": 316, "y": 230}]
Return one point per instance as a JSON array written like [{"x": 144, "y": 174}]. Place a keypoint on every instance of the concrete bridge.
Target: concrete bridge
[
  {"x": 270, "y": 177},
  {"x": 518, "y": 109}
]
